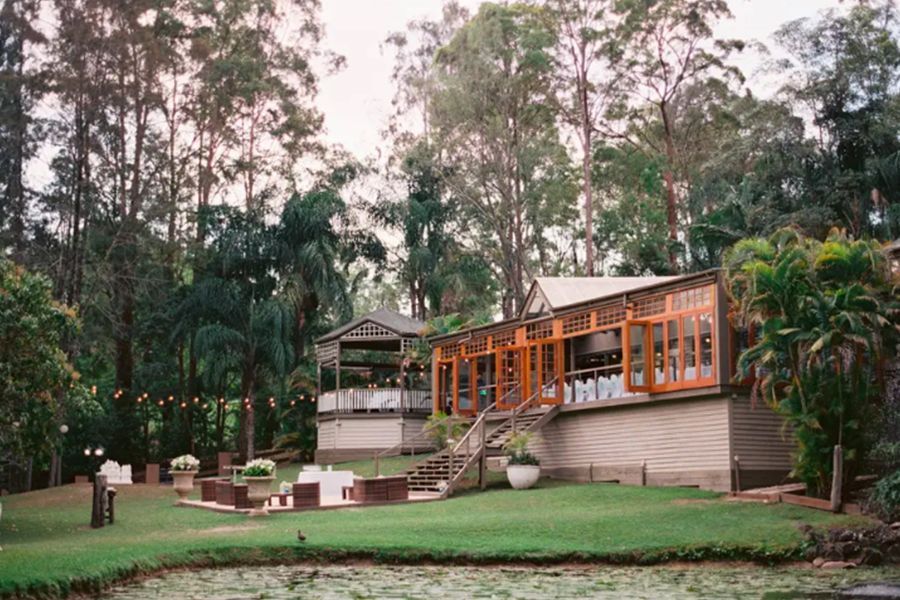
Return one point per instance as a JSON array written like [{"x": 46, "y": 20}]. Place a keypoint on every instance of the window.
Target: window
[
  {"x": 464, "y": 383},
  {"x": 611, "y": 315},
  {"x": 706, "y": 346},
  {"x": 659, "y": 348},
  {"x": 575, "y": 323},
  {"x": 693, "y": 298},
  {"x": 690, "y": 352},
  {"x": 505, "y": 338},
  {"x": 477, "y": 345},
  {"x": 673, "y": 352},
  {"x": 445, "y": 386},
  {"x": 649, "y": 306},
  {"x": 539, "y": 330},
  {"x": 637, "y": 340}
]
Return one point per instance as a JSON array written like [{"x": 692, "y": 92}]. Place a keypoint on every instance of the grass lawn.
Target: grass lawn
[{"x": 48, "y": 546}]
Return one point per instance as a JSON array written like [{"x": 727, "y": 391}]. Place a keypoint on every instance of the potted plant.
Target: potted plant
[
  {"x": 183, "y": 469},
  {"x": 258, "y": 475},
  {"x": 522, "y": 467}
]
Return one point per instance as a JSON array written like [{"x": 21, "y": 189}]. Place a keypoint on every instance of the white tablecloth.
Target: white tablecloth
[{"x": 330, "y": 482}]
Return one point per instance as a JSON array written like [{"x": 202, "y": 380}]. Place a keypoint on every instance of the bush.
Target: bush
[
  {"x": 443, "y": 428},
  {"x": 884, "y": 501},
  {"x": 516, "y": 448}
]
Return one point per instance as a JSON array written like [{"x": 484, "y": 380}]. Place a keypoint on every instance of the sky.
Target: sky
[{"x": 357, "y": 101}]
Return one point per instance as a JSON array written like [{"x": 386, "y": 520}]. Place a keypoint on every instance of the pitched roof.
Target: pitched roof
[
  {"x": 564, "y": 291},
  {"x": 391, "y": 320}
]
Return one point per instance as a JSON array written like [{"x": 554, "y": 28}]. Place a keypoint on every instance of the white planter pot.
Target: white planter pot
[
  {"x": 184, "y": 483},
  {"x": 258, "y": 492},
  {"x": 522, "y": 476}
]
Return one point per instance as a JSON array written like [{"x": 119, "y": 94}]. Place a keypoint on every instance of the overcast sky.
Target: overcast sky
[{"x": 356, "y": 101}]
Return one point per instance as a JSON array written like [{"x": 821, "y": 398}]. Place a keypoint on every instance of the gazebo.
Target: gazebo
[{"x": 370, "y": 396}]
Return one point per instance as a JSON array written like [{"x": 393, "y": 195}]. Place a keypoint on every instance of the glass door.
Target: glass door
[
  {"x": 638, "y": 357},
  {"x": 464, "y": 397},
  {"x": 547, "y": 356},
  {"x": 510, "y": 377}
]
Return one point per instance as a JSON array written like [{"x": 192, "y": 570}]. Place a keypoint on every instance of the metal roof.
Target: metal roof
[
  {"x": 564, "y": 291},
  {"x": 393, "y": 321}
]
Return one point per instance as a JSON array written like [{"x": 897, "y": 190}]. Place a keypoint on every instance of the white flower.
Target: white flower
[
  {"x": 260, "y": 467},
  {"x": 185, "y": 462}
]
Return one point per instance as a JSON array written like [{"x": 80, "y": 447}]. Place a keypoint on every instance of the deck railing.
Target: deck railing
[{"x": 375, "y": 400}]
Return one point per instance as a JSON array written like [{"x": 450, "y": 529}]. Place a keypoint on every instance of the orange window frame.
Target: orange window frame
[
  {"x": 653, "y": 386},
  {"x": 542, "y": 379},
  {"x": 507, "y": 381}
]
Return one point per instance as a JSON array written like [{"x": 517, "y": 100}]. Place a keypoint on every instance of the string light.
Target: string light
[
  {"x": 94, "y": 390},
  {"x": 162, "y": 402}
]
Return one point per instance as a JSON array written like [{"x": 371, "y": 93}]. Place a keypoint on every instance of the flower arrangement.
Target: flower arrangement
[
  {"x": 260, "y": 467},
  {"x": 185, "y": 462},
  {"x": 516, "y": 448}
]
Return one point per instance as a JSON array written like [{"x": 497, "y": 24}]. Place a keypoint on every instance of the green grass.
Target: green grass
[{"x": 48, "y": 547}]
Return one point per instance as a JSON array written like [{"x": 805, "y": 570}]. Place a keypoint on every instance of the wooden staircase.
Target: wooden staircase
[{"x": 442, "y": 472}]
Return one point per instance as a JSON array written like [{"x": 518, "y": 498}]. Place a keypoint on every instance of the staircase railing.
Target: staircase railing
[
  {"x": 426, "y": 431},
  {"x": 527, "y": 404},
  {"x": 469, "y": 457}
]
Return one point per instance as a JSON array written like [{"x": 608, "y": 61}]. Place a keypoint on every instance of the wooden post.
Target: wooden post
[
  {"x": 224, "y": 460},
  {"x": 644, "y": 473},
  {"x": 737, "y": 473},
  {"x": 837, "y": 480},
  {"x": 482, "y": 464},
  {"x": 377, "y": 466},
  {"x": 151, "y": 476},
  {"x": 337, "y": 378},
  {"x": 98, "y": 509}
]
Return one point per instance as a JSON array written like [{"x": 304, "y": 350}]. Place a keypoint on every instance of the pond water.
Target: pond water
[{"x": 362, "y": 582}]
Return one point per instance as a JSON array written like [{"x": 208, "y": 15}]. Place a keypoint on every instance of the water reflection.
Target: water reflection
[{"x": 340, "y": 582}]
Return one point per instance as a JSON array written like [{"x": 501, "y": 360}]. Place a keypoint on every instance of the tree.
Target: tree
[
  {"x": 243, "y": 325},
  {"x": 494, "y": 123},
  {"x": 660, "y": 48},
  {"x": 36, "y": 380},
  {"x": 826, "y": 318},
  {"x": 581, "y": 31},
  {"x": 21, "y": 86},
  {"x": 843, "y": 71}
]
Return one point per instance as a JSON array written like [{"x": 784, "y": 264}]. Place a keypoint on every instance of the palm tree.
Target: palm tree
[
  {"x": 242, "y": 326},
  {"x": 826, "y": 318}
]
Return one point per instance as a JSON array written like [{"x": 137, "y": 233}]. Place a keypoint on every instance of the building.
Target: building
[
  {"x": 369, "y": 398},
  {"x": 627, "y": 379}
]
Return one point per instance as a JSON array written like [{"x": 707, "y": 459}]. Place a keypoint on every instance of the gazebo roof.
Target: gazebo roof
[{"x": 382, "y": 324}]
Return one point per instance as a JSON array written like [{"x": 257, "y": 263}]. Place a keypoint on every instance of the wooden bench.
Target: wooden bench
[
  {"x": 380, "y": 489},
  {"x": 306, "y": 494},
  {"x": 208, "y": 489},
  {"x": 224, "y": 492},
  {"x": 240, "y": 496}
]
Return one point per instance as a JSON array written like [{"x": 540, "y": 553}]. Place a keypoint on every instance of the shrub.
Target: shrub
[
  {"x": 443, "y": 428},
  {"x": 884, "y": 501}
]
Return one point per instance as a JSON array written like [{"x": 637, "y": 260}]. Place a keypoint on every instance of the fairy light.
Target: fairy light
[
  {"x": 183, "y": 405},
  {"x": 196, "y": 400},
  {"x": 162, "y": 402}
]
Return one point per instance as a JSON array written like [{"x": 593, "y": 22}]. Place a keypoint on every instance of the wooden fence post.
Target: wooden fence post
[
  {"x": 737, "y": 473},
  {"x": 837, "y": 479},
  {"x": 98, "y": 509},
  {"x": 644, "y": 473}
]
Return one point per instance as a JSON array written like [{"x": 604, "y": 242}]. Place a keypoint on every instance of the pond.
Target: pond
[{"x": 361, "y": 582}]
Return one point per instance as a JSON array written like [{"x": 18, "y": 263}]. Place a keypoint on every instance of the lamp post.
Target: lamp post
[
  {"x": 94, "y": 453},
  {"x": 63, "y": 429}
]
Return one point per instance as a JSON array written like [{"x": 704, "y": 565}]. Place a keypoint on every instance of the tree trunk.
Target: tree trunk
[{"x": 671, "y": 194}]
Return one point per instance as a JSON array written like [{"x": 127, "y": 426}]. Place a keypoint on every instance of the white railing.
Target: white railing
[{"x": 375, "y": 400}]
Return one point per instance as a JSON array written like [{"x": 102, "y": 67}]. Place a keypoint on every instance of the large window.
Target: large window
[{"x": 675, "y": 349}]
